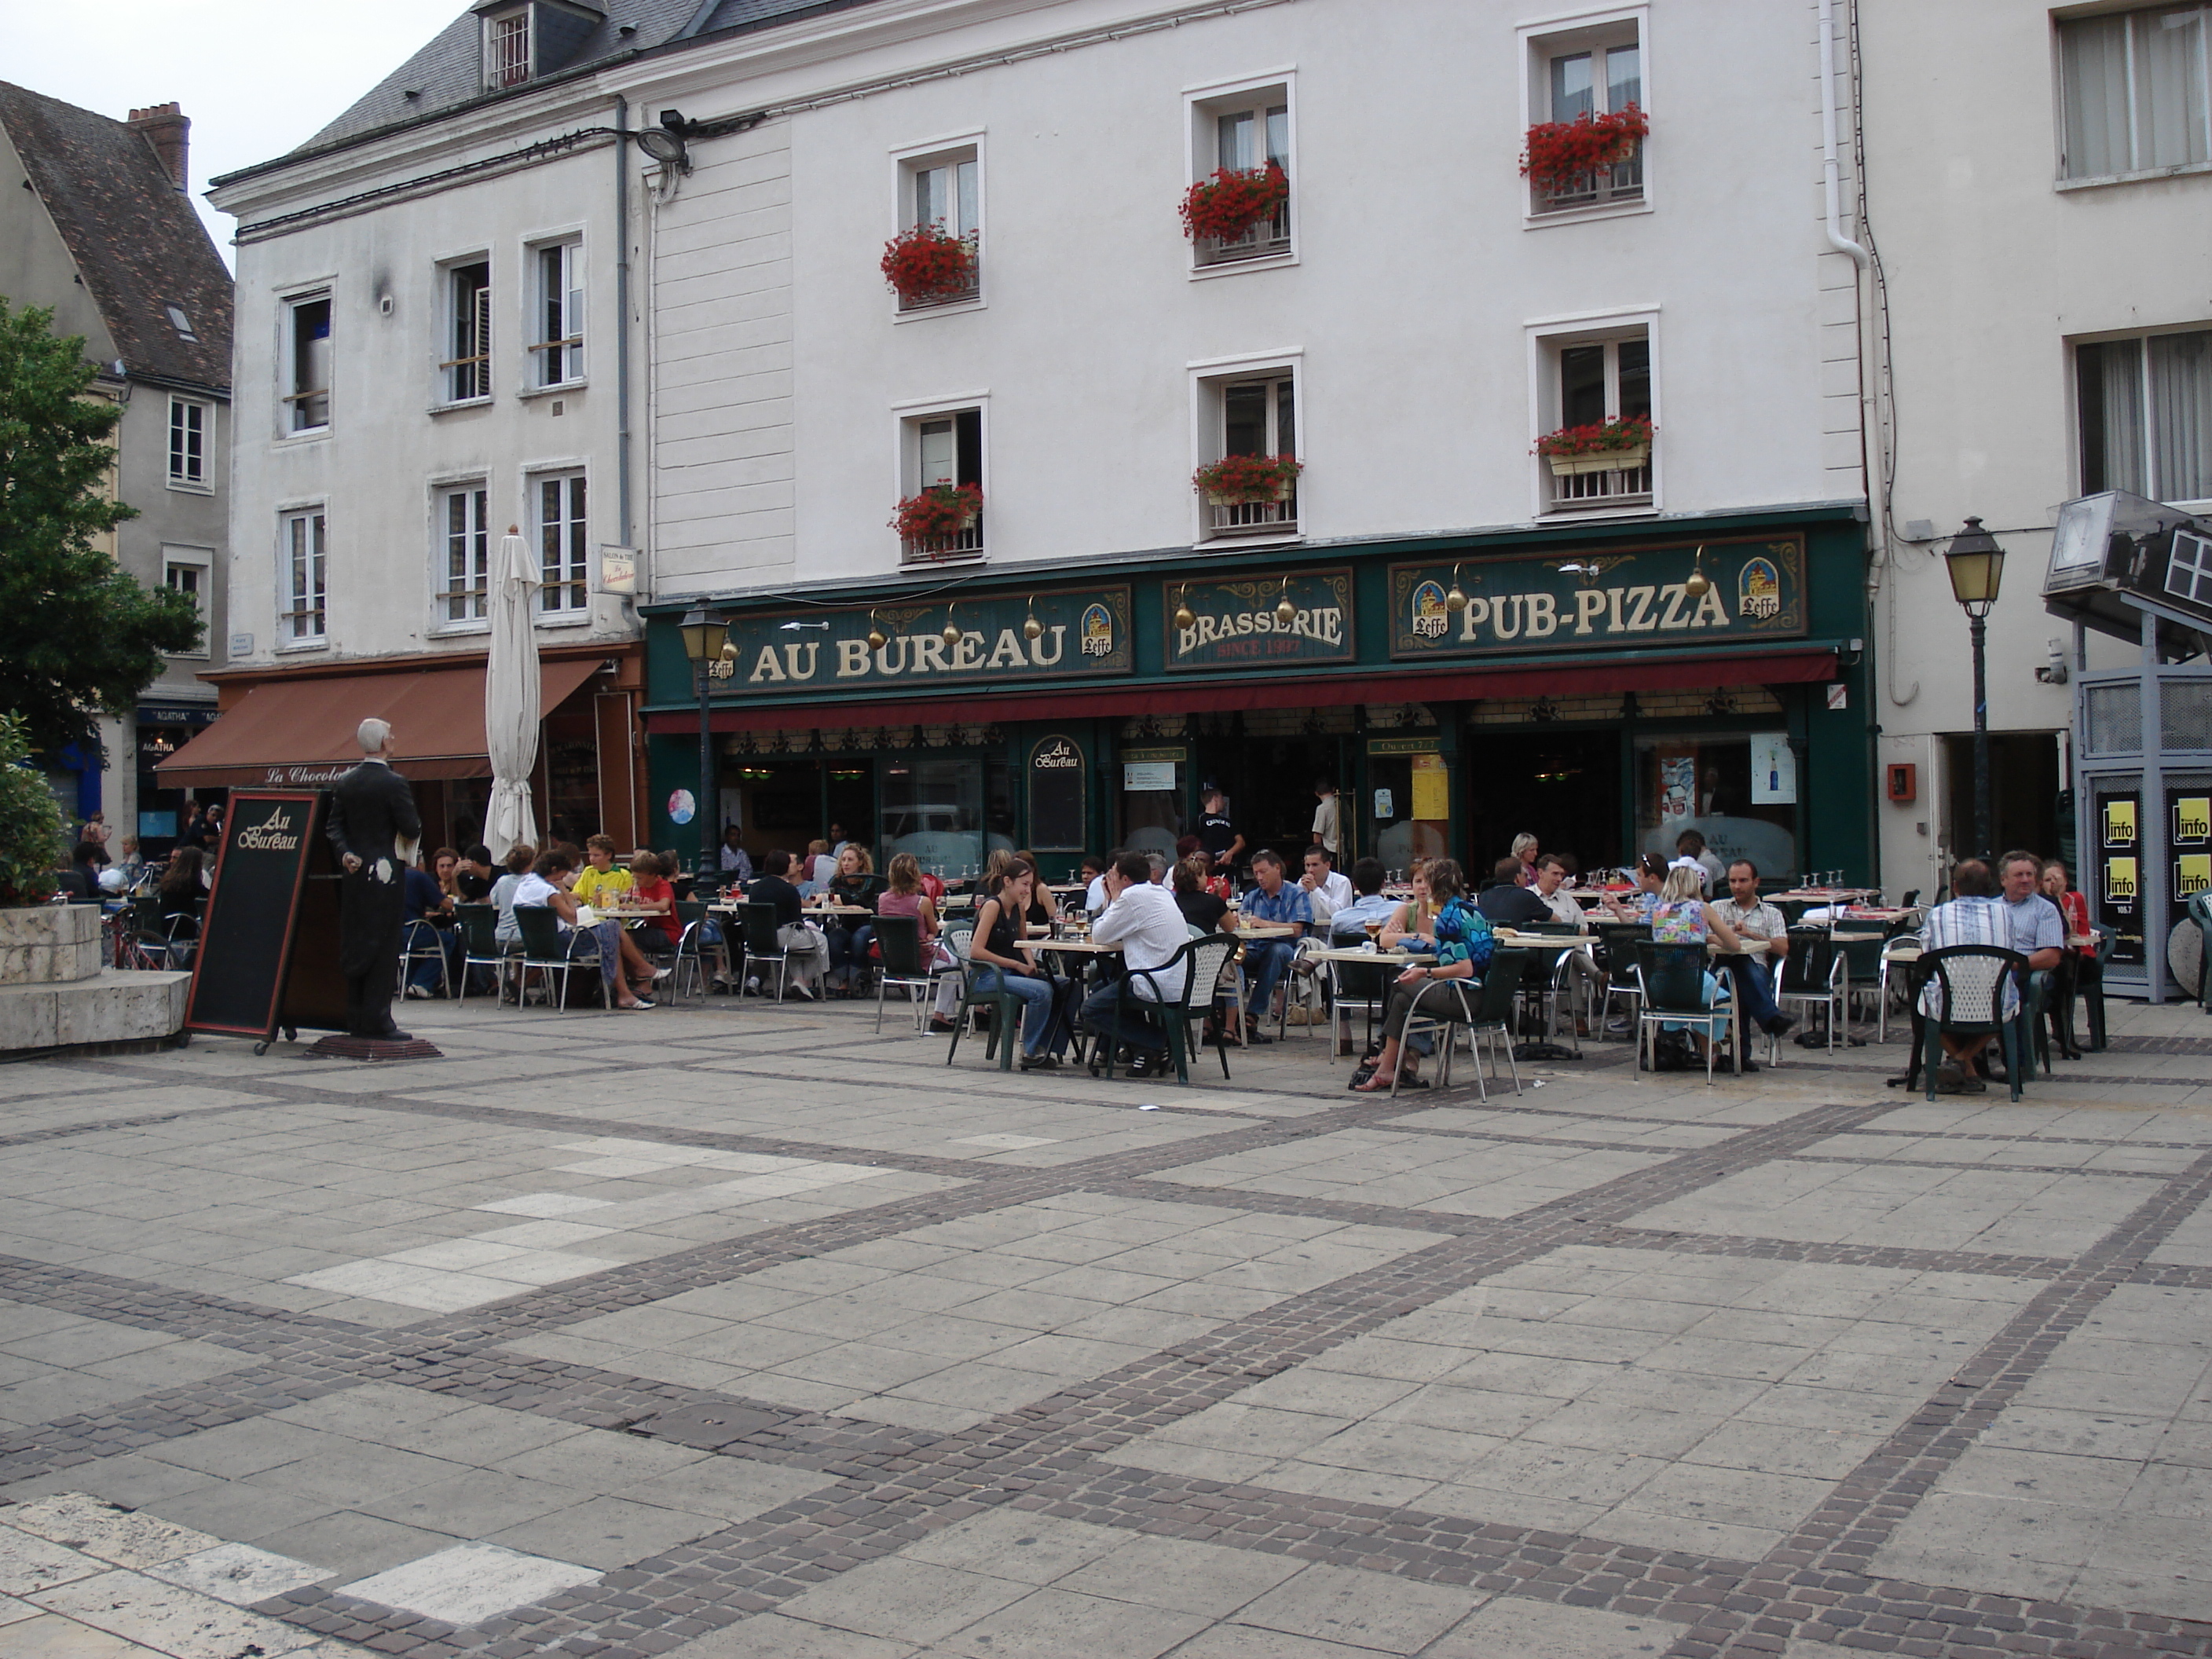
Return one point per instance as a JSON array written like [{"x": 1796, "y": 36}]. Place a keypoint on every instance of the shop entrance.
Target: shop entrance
[
  {"x": 1269, "y": 781},
  {"x": 1561, "y": 786}
]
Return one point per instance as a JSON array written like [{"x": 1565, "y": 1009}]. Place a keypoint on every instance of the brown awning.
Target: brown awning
[
  {"x": 301, "y": 732},
  {"x": 1797, "y": 666}
]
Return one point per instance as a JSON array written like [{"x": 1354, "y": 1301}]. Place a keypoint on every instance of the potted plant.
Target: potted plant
[
  {"x": 1241, "y": 480},
  {"x": 929, "y": 262},
  {"x": 1234, "y": 200},
  {"x": 34, "y": 839},
  {"x": 1613, "y": 445},
  {"x": 929, "y": 521},
  {"x": 1558, "y": 152}
]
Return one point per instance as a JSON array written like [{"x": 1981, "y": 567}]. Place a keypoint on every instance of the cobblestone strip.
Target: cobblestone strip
[
  {"x": 2172, "y": 1274},
  {"x": 1832, "y": 1552},
  {"x": 64, "y": 1131},
  {"x": 1847, "y": 1256}
]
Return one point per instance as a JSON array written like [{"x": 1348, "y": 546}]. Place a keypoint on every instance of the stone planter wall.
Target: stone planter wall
[
  {"x": 54, "y": 993},
  {"x": 51, "y": 945}
]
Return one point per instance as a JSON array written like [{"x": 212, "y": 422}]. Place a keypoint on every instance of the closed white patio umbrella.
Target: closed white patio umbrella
[{"x": 512, "y": 697}]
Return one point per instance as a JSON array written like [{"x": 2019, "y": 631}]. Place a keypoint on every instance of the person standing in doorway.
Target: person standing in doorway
[
  {"x": 372, "y": 812},
  {"x": 1219, "y": 836},
  {"x": 1327, "y": 831}
]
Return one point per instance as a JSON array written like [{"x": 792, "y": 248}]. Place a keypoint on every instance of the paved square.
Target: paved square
[{"x": 800, "y": 1343}]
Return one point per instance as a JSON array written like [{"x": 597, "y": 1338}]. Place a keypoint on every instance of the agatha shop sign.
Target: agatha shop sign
[
  {"x": 1268, "y": 620},
  {"x": 1046, "y": 636},
  {"x": 1685, "y": 594}
]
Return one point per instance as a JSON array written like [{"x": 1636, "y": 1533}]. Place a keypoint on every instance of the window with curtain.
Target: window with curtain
[
  {"x": 2146, "y": 416},
  {"x": 465, "y": 568},
  {"x": 2135, "y": 90},
  {"x": 563, "y": 554}
]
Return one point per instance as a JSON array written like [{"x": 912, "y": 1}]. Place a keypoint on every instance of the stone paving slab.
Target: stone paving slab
[{"x": 808, "y": 1345}]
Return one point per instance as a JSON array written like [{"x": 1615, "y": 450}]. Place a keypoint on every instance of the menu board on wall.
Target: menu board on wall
[{"x": 2116, "y": 888}]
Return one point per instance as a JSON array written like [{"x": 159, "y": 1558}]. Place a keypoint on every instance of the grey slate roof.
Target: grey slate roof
[
  {"x": 137, "y": 243},
  {"x": 446, "y": 74}
]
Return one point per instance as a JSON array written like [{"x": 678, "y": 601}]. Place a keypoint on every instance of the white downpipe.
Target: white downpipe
[{"x": 1831, "y": 165}]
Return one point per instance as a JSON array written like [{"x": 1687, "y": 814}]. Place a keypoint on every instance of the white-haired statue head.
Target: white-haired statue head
[{"x": 374, "y": 736}]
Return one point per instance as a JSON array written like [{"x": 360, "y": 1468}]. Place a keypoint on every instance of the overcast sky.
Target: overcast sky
[{"x": 257, "y": 78}]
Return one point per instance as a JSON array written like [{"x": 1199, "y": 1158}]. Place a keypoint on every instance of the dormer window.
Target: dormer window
[{"x": 534, "y": 38}]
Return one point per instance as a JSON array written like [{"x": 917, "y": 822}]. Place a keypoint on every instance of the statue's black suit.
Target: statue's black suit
[{"x": 371, "y": 809}]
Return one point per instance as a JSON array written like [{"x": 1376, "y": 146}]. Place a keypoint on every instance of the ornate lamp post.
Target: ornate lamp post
[
  {"x": 706, "y": 634},
  {"x": 1976, "y": 567}
]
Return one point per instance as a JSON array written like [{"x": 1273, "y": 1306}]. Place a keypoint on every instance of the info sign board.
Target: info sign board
[{"x": 267, "y": 957}]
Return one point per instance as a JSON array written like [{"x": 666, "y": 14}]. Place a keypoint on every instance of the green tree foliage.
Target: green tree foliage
[
  {"x": 34, "y": 839},
  {"x": 78, "y": 634}
]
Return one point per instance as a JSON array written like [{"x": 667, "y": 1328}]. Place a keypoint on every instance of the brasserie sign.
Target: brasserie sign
[
  {"x": 1268, "y": 622},
  {"x": 996, "y": 638},
  {"x": 1689, "y": 593}
]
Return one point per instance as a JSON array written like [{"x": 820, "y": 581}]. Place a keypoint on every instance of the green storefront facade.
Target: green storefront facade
[{"x": 1602, "y": 687}]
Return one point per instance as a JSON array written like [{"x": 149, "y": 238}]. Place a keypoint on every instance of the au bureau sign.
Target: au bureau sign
[
  {"x": 1265, "y": 622},
  {"x": 1694, "y": 593},
  {"x": 999, "y": 639}
]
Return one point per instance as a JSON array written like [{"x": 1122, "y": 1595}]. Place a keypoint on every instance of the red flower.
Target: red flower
[
  {"x": 932, "y": 519},
  {"x": 1248, "y": 479},
  {"x": 1234, "y": 200},
  {"x": 929, "y": 262},
  {"x": 1599, "y": 437},
  {"x": 1560, "y": 152}
]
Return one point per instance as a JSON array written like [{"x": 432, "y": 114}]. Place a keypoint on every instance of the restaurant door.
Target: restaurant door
[
  {"x": 1269, "y": 781},
  {"x": 1563, "y": 786},
  {"x": 1406, "y": 807}
]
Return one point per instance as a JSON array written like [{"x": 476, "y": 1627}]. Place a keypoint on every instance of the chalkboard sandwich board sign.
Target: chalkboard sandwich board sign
[{"x": 244, "y": 967}]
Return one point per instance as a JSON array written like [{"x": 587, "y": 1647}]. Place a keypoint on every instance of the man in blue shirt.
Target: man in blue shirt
[
  {"x": 1273, "y": 900},
  {"x": 1350, "y": 922}
]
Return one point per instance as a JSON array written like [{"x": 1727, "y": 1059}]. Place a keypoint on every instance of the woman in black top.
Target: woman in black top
[
  {"x": 854, "y": 882},
  {"x": 1043, "y": 908},
  {"x": 999, "y": 924},
  {"x": 1200, "y": 908}
]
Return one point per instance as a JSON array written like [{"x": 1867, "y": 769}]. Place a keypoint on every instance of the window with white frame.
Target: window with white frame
[
  {"x": 307, "y": 362},
  {"x": 941, "y": 201},
  {"x": 1594, "y": 417},
  {"x": 303, "y": 575},
  {"x": 942, "y": 461},
  {"x": 1590, "y": 74},
  {"x": 1240, "y": 142},
  {"x": 1251, "y": 414},
  {"x": 2136, "y": 93},
  {"x": 564, "y": 557},
  {"x": 506, "y": 48},
  {"x": 185, "y": 570},
  {"x": 465, "y": 372},
  {"x": 557, "y": 312},
  {"x": 2145, "y": 409},
  {"x": 188, "y": 435},
  {"x": 464, "y": 557}
]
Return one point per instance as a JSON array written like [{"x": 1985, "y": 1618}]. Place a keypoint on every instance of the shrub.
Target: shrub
[{"x": 33, "y": 836}]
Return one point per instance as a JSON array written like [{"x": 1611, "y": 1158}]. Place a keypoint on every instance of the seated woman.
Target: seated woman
[
  {"x": 850, "y": 937},
  {"x": 520, "y": 857},
  {"x": 1000, "y": 967},
  {"x": 1464, "y": 942},
  {"x": 1044, "y": 906},
  {"x": 430, "y": 896},
  {"x": 1682, "y": 915},
  {"x": 908, "y": 896},
  {"x": 184, "y": 884},
  {"x": 1414, "y": 926},
  {"x": 2076, "y": 963},
  {"x": 546, "y": 887}
]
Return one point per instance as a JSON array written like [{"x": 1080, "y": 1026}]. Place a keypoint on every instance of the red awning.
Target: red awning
[
  {"x": 301, "y": 732},
  {"x": 1504, "y": 680}
]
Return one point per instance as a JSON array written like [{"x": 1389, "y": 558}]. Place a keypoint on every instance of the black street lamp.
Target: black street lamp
[
  {"x": 706, "y": 637},
  {"x": 1976, "y": 567}
]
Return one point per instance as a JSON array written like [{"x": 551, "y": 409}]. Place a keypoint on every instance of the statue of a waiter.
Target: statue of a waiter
[{"x": 372, "y": 811}]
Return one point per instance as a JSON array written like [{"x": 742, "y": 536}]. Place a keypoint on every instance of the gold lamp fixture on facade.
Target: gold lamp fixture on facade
[
  {"x": 1285, "y": 612},
  {"x": 1697, "y": 584},
  {"x": 951, "y": 629},
  {"x": 1032, "y": 629},
  {"x": 877, "y": 638},
  {"x": 1184, "y": 616},
  {"x": 1456, "y": 601}
]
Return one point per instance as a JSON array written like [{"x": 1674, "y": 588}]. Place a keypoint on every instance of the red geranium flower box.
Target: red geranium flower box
[
  {"x": 1599, "y": 446},
  {"x": 1234, "y": 200},
  {"x": 929, "y": 262},
  {"x": 1560, "y": 151},
  {"x": 1241, "y": 480},
  {"x": 932, "y": 519}
]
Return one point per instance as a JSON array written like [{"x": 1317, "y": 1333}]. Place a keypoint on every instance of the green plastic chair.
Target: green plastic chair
[
  {"x": 1973, "y": 979},
  {"x": 481, "y": 947},
  {"x": 1202, "y": 959},
  {"x": 1006, "y": 1008},
  {"x": 1487, "y": 1014},
  {"x": 1672, "y": 977}
]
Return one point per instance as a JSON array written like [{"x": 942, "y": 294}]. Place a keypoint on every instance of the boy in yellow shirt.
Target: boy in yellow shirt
[{"x": 602, "y": 881}]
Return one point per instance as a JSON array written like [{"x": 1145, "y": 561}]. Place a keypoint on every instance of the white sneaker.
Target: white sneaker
[
  {"x": 798, "y": 991},
  {"x": 421, "y": 992}
]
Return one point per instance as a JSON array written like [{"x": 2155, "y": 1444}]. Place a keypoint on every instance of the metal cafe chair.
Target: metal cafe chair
[
  {"x": 692, "y": 946},
  {"x": 1487, "y": 1016},
  {"x": 763, "y": 951},
  {"x": 1006, "y": 1008},
  {"x": 424, "y": 943},
  {"x": 1672, "y": 980},
  {"x": 904, "y": 965},
  {"x": 550, "y": 950},
  {"x": 480, "y": 946},
  {"x": 1815, "y": 973}
]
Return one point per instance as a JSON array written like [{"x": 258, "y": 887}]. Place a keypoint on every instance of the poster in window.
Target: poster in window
[
  {"x": 2120, "y": 821},
  {"x": 2192, "y": 873},
  {"x": 1678, "y": 785},
  {"x": 1386, "y": 806},
  {"x": 1773, "y": 769},
  {"x": 1139, "y": 775},
  {"x": 1431, "y": 787},
  {"x": 2121, "y": 884},
  {"x": 2192, "y": 820}
]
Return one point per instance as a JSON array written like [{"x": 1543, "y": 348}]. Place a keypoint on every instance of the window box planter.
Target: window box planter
[
  {"x": 939, "y": 521},
  {"x": 1611, "y": 460},
  {"x": 1225, "y": 207},
  {"x": 929, "y": 265},
  {"x": 1245, "y": 480},
  {"x": 1616, "y": 446},
  {"x": 1559, "y": 156}
]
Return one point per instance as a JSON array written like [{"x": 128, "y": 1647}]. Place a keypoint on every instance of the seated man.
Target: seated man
[
  {"x": 1974, "y": 916},
  {"x": 1273, "y": 900},
  {"x": 1349, "y": 923},
  {"x": 1141, "y": 916},
  {"x": 1506, "y": 902},
  {"x": 1326, "y": 890},
  {"x": 806, "y": 952},
  {"x": 1551, "y": 880},
  {"x": 1766, "y": 936}
]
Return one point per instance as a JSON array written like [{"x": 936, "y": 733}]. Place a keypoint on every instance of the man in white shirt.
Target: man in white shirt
[
  {"x": 1326, "y": 890},
  {"x": 1095, "y": 897},
  {"x": 736, "y": 861},
  {"x": 1141, "y": 917}
]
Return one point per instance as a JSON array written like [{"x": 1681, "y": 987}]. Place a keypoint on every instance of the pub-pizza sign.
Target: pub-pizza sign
[{"x": 1687, "y": 593}]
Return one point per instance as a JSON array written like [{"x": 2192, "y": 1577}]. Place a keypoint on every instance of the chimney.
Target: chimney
[{"x": 167, "y": 128}]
